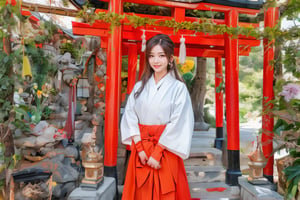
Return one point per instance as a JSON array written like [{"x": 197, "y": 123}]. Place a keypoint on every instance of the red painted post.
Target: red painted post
[
  {"x": 271, "y": 16},
  {"x": 179, "y": 14},
  {"x": 113, "y": 92},
  {"x": 132, "y": 64},
  {"x": 232, "y": 100},
  {"x": 142, "y": 64},
  {"x": 219, "y": 103}
]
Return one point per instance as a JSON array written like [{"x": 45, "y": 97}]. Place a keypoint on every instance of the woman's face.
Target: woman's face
[{"x": 158, "y": 60}]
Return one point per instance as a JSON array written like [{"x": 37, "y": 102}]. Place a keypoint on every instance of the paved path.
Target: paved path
[{"x": 205, "y": 169}]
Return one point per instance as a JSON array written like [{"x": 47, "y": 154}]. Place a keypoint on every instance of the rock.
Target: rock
[
  {"x": 80, "y": 124},
  {"x": 18, "y": 133},
  {"x": 79, "y": 134},
  {"x": 42, "y": 141},
  {"x": 45, "y": 150},
  {"x": 39, "y": 127},
  {"x": 25, "y": 142},
  {"x": 71, "y": 151},
  {"x": 49, "y": 132}
]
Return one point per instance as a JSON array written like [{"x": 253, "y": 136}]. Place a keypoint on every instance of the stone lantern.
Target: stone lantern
[
  {"x": 92, "y": 161},
  {"x": 256, "y": 164}
]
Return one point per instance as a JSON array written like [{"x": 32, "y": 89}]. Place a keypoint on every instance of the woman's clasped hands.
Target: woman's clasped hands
[{"x": 151, "y": 162}]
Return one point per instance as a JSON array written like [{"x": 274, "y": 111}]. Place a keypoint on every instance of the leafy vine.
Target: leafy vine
[{"x": 204, "y": 25}]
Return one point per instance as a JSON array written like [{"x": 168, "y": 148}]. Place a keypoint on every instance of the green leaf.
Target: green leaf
[
  {"x": 296, "y": 162},
  {"x": 294, "y": 173},
  {"x": 6, "y": 59}
]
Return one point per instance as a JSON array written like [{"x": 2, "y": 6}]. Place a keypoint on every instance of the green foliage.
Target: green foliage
[
  {"x": 6, "y": 83},
  {"x": 8, "y": 15},
  {"x": 292, "y": 10},
  {"x": 282, "y": 125},
  {"x": 69, "y": 47},
  {"x": 293, "y": 177},
  {"x": 292, "y": 52},
  {"x": 41, "y": 65},
  {"x": 188, "y": 78},
  {"x": 287, "y": 129}
]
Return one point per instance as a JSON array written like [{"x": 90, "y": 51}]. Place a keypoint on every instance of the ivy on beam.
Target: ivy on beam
[{"x": 204, "y": 25}]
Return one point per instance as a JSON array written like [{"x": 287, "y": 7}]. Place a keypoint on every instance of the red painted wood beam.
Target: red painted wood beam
[
  {"x": 271, "y": 17},
  {"x": 113, "y": 92},
  {"x": 193, "y": 6},
  {"x": 195, "y": 44},
  {"x": 179, "y": 15},
  {"x": 191, "y": 50},
  {"x": 130, "y": 33},
  {"x": 196, "y": 52},
  {"x": 132, "y": 65}
]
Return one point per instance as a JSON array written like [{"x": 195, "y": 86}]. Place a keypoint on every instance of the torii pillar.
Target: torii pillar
[
  {"x": 232, "y": 100},
  {"x": 219, "y": 104},
  {"x": 142, "y": 65},
  {"x": 113, "y": 94},
  {"x": 271, "y": 16},
  {"x": 132, "y": 65}
]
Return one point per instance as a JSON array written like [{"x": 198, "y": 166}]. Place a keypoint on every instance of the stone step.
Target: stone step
[
  {"x": 201, "y": 156},
  {"x": 205, "y": 174},
  {"x": 208, "y": 191}
]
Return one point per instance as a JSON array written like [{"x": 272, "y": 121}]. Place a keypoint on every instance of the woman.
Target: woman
[{"x": 158, "y": 124}]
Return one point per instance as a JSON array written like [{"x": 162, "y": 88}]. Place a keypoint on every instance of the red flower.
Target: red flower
[{"x": 12, "y": 2}]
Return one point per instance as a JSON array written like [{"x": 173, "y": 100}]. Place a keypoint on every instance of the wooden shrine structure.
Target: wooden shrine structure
[{"x": 126, "y": 40}]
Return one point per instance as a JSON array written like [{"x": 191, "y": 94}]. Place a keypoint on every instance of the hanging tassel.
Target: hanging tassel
[
  {"x": 143, "y": 41},
  {"x": 182, "y": 51},
  {"x": 26, "y": 70}
]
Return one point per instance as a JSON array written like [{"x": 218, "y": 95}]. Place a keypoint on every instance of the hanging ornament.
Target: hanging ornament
[
  {"x": 143, "y": 41},
  {"x": 182, "y": 51},
  {"x": 26, "y": 70}
]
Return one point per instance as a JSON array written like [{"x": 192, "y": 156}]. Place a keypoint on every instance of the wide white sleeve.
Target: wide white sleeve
[
  {"x": 129, "y": 122},
  {"x": 177, "y": 135}
]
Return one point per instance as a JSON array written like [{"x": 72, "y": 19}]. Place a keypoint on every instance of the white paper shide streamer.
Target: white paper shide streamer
[
  {"x": 182, "y": 51},
  {"x": 143, "y": 41}
]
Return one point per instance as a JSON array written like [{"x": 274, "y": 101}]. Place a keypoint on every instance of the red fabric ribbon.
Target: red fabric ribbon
[
  {"x": 216, "y": 189},
  {"x": 70, "y": 124}
]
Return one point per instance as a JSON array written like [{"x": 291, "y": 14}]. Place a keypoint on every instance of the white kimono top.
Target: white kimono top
[{"x": 167, "y": 102}]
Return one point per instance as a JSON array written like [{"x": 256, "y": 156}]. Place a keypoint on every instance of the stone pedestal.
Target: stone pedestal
[
  {"x": 106, "y": 191},
  {"x": 257, "y": 192}
]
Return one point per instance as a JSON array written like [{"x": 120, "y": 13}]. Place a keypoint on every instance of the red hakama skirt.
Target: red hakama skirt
[{"x": 145, "y": 183}]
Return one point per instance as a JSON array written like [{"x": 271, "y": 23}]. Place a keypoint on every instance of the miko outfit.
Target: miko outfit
[{"x": 161, "y": 114}]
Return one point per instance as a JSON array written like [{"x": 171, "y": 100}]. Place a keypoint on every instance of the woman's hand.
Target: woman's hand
[
  {"x": 143, "y": 157},
  {"x": 153, "y": 163}
]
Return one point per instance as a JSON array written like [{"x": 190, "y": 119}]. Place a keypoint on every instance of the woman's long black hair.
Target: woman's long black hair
[{"x": 168, "y": 46}]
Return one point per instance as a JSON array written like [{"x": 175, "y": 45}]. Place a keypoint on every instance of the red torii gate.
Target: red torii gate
[{"x": 126, "y": 40}]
